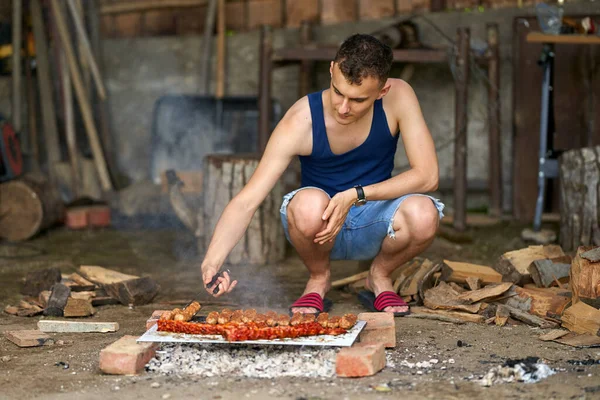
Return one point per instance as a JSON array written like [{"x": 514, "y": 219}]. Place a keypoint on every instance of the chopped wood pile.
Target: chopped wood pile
[
  {"x": 52, "y": 293},
  {"x": 539, "y": 286}
]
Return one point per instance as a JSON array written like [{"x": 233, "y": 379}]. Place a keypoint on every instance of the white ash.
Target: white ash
[
  {"x": 527, "y": 372},
  {"x": 243, "y": 360}
]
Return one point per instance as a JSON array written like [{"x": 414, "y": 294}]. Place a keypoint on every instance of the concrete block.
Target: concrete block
[
  {"x": 77, "y": 326},
  {"x": 28, "y": 338},
  {"x": 360, "y": 360},
  {"x": 380, "y": 328},
  {"x": 126, "y": 356}
]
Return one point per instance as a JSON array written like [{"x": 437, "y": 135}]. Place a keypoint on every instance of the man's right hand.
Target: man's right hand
[{"x": 223, "y": 282}]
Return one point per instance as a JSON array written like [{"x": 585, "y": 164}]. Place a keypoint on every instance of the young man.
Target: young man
[{"x": 349, "y": 206}]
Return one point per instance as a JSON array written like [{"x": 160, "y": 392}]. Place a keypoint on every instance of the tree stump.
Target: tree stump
[
  {"x": 28, "y": 205},
  {"x": 579, "y": 190},
  {"x": 224, "y": 176}
]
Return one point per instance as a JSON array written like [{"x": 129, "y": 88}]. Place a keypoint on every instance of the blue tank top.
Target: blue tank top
[{"x": 369, "y": 163}]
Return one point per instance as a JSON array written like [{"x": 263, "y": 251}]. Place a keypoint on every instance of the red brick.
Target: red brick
[
  {"x": 76, "y": 218},
  {"x": 28, "y": 338},
  {"x": 154, "y": 318},
  {"x": 99, "y": 216},
  {"x": 380, "y": 328},
  {"x": 360, "y": 360},
  {"x": 126, "y": 356}
]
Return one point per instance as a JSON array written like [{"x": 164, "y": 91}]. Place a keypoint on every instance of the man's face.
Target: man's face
[{"x": 352, "y": 102}]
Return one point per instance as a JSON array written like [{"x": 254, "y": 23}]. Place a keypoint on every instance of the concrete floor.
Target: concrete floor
[{"x": 168, "y": 257}]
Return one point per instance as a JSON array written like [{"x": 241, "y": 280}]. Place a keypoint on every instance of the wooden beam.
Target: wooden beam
[
  {"x": 124, "y": 7},
  {"x": 328, "y": 54},
  {"x": 17, "y": 40},
  {"x": 495, "y": 145},
  {"x": 265, "y": 82},
  {"x": 539, "y": 37}
]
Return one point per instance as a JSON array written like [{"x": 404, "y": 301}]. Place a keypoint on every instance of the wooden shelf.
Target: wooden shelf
[
  {"x": 328, "y": 54},
  {"x": 539, "y": 37}
]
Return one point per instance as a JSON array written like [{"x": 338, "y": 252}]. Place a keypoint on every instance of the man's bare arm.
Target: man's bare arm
[
  {"x": 288, "y": 140},
  {"x": 423, "y": 175}
]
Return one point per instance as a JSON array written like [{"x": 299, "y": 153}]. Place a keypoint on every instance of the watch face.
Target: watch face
[{"x": 360, "y": 202}]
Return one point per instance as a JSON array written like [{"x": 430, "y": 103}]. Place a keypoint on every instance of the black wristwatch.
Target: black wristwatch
[{"x": 361, "y": 198}]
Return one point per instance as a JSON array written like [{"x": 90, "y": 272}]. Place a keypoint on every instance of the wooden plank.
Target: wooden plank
[
  {"x": 78, "y": 308},
  {"x": 375, "y": 9},
  {"x": 582, "y": 318},
  {"x": 546, "y": 272},
  {"x": 264, "y": 12},
  {"x": 514, "y": 265},
  {"x": 134, "y": 291},
  {"x": 77, "y": 326},
  {"x": 337, "y": 11},
  {"x": 539, "y": 37},
  {"x": 553, "y": 335},
  {"x": 577, "y": 340},
  {"x": 530, "y": 319},
  {"x": 542, "y": 302},
  {"x": 443, "y": 297},
  {"x": 455, "y": 271},
  {"x": 80, "y": 280},
  {"x": 28, "y": 338},
  {"x": 585, "y": 279},
  {"x": 299, "y": 11},
  {"x": 328, "y": 54},
  {"x": 487, "y": 292},
  {"x": 103, "y": 276},
  {"x": 462, "y": 316}
]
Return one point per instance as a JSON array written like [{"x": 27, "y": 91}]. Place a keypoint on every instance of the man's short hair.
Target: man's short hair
[{"x": 362, "y": 56}]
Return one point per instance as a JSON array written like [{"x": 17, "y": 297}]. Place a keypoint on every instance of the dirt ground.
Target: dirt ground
[{"x": 168, "y": 257}]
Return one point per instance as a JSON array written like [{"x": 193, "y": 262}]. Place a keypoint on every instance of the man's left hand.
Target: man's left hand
[{"x": 335, "y": 215}]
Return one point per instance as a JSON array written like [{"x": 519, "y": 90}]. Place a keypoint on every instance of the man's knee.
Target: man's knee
[
  {"x": 419, "y": 216},
  {"x": 305, "y": 211}
]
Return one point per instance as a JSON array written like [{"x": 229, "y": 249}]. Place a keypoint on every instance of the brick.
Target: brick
[
  {"x": 154, "y": 318},
  {"x": 28, "y": 338},
  {"x": 76, "y": 218},
  {"x": 360, "y": 360},
  {"x": 99, "y": 216},
  {"x": 380, "y": 328},
  {"x": 85, "y": 216},
  {"x": 126, "y": 356}
]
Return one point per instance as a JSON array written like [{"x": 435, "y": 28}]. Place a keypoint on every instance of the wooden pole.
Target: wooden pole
[
  {"x": 70, "y": 125},
  {"x": 45, "y": 87},
  {"x": 17, "y": 26},
  {"x": 209, "y": 26},
  {"x": 264, "y": 84},
  {"x": 84, "y": 105},
  {"x": 87, "y": 49},
  {"x": 460, "y": 129},
  {"x": 495, "y": 145},
  {"x": 220, "y": 92},
  {"x": 101, "y": 107},
  {"x": 306, "y": 66},
  {"x": 34, "y": 147}
]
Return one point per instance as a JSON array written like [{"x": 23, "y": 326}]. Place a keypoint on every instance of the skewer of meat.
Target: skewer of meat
[
  {"x": 249, "y": 315},
  {"x": 271, "y": 318},
  {"x": 282, "y": 320},
  {"x": 307, "y": 318},
  {"x": 260, "y": 319},
  {"x": 333, "y": 322},
  {"x": 322, "y": 319},
  {"x": 348, "y": 321},
  {"x": 212, "y": 318},
  {"x": 225, "y": 316},
  {"x": 296, "y": 319},
  {"x": 167, "y": 315},
  {"x": 236, "y": 316},
  {"x": 188, "y": 312}
]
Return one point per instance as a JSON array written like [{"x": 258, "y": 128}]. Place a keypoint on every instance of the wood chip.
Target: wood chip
[
  {"x": 443, "y": 297},
  {"x": 487, "y": 292},
  {"x": 553, "y": 334},
  {"x": 473, "y": 282}
]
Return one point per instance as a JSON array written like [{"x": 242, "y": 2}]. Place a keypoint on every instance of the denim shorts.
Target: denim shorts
[{"x": 365, "y": 227}]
